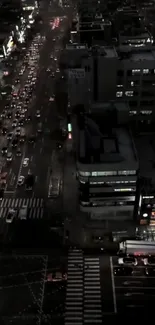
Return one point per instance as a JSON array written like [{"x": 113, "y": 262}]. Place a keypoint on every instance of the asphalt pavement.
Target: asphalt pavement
[{"x": 27, "y": 294}]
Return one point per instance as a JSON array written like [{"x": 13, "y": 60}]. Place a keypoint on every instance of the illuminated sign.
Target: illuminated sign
[{"x": 69, "y": 127}]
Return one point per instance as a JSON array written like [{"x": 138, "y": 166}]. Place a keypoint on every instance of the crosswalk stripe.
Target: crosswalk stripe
[
  {"x": 34, "y": 203},
  {"x": 18, "y": 202},
  {"x": 33, "y": 213},
  {"x": 74, "y": 291}
]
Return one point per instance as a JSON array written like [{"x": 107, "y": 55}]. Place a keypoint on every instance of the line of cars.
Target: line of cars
[
  {"x": 126, "y": 265},
  {"x": 14, "y": 213},
  {"x": 14, "y": 117}
]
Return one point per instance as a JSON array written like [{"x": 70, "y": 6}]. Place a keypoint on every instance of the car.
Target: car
[
  {"x": 18, "y": 130},
  {"x": 14, "y": 142},
  {"x": 123, "y": 271},
  {"x": 57, "y": 277},
  {"x": 4, "y": 131},
  {"x": 52, "y": 98},
  {"x": 14, "y": 123},
  {"x": 149, "y": 260},
  {"x": 21, "y": 180},
  {"x": 18, "y": 152},
  {"x": 28, "y": 119},
  {"x": 9, "y": 156},
  {"x": 150, "y": 271},
  {"x": 9, "y": 136},
  {"x": 21, "y": 122},
  {"x": 32, "y": 139},
  {"x": 9, "y": 115},
  {"x": 10, "y": 216},
  {"x": 38, "y": 113},
  {"x": 17, "y": 114},
  {"x": 3, "y": 114},
  {"x": 25, "y": 162},
  {"x": 4, "y": 150},
  {"x": 127, "y": 260}
]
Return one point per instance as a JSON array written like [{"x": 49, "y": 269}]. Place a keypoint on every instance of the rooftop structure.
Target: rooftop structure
[
  {"x": 112, "y": 150},
  {"x": 107, "y": 166}
]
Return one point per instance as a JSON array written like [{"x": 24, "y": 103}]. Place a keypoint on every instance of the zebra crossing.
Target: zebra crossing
[
  {"x": 83, "y": 294},
  {"x": 74, "y": 291},
  {"x": 92, "y": 312},
  {"x": 35, "y": 206}
]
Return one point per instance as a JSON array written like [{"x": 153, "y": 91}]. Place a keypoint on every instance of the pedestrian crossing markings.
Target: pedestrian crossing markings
[
  {"x": 35, "y": 206},
  {"x": 83, "y": 294},
  {"x": 19, "y": 202}
]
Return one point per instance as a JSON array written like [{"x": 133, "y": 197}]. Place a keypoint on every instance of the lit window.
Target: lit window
[
  {"x": 119, "y": 93},
  {"x": 132, "y": 83},
  {"x": 129, "y": 93},
  {"x": 146, "y": 112},
  {"x": 132, "y": 113},
  {"x": 126, "y": 172},
  {"x": 135, "y": 71},
  {"x": 145, "y": 71},
  {"x": 105, "y": 173},
  {"x": 123, "y": 189},
  {"x": 81, "y": 173}
]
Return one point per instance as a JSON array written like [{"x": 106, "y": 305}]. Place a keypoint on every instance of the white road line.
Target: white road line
[
  {"x": 1, "y": 213},
  {"x": 34, "y": 203},
  {"x": 113, "y": 286},
  {"x": 20, "y": 168}
]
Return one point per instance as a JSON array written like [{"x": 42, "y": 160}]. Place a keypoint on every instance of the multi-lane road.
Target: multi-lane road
[{"x": 41, "y": 152}]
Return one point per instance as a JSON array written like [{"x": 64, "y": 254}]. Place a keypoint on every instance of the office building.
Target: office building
[
  {"x": 103, "y": 74},
  {"x": 107, "y": 166}
]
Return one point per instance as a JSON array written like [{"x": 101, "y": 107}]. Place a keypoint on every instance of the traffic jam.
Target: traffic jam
[{"x": 15, "y": 119}]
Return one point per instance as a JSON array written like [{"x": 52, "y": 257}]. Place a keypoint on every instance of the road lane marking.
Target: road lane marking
[
  {"x": 113, "y": 286},
  {"x": 12, "y": 180},
  {"x": 20, "y": 168},
  {"x": 129, "y": 294},
  {"x": 132, "y": 282}
]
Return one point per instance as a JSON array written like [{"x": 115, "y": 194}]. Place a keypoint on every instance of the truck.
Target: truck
[
  {"x": 137, "y": 248},
  {"x": 54, "y": 187},
  {"x": 23, "y": 212}
]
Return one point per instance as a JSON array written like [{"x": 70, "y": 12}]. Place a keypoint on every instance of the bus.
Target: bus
[
  {"x": 137, "y": 248},
  {"x": 54, "y": 188}
]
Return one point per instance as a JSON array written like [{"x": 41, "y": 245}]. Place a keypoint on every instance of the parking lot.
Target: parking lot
[
  {"x": 105, "y": 291},
  {"x": 126, "y": 293},
  {"x": 134, "y": 292}
]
